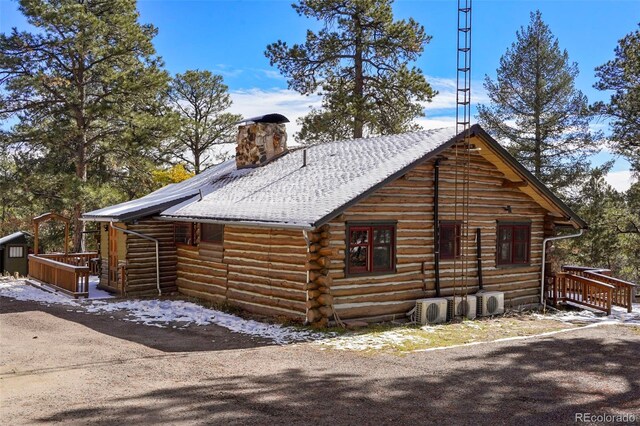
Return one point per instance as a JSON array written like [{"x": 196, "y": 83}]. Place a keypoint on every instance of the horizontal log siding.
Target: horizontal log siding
[
  {"x": 259, "y": 270},
  {"x": 409, "y": 201},
  {"x": 141, "y": 258},
  {"x": 266, "y": 270},
  {"x": 200, "y": 275}
]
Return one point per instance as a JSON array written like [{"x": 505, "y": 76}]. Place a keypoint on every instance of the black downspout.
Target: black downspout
[
  {"x": 436, "y": 224},
  {"x": 479, "y": 256}
]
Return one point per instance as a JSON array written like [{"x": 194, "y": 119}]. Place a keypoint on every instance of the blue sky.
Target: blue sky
[{"x": 230, "y": 36}]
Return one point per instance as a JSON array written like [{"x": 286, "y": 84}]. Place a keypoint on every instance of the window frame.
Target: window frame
[
  {"x": 15, "y": 247},
  {"x": 192, "y": 232},
  {"x": 513, "y": 225},
  {"x": 203, "y": 240},
  {"x": 457, "y": 240},
  {"x": 370, "y": 268}
]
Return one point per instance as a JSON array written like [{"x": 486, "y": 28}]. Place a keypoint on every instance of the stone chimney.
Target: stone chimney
[{"x": 260, "y": 140}]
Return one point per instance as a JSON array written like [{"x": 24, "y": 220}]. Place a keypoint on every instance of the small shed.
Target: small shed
[{"x": 14, "y": 253}]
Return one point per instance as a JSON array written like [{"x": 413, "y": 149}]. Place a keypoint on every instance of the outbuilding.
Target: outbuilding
[{"x": 14, "y": 251}]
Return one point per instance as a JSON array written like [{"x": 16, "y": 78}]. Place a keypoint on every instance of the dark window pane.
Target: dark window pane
[
  {"x": 504, "y": 252},
  {"x": 505, "y": 233},
  {"x": 520, "y": 252},
  {"x": 359, "y": 236},
  {"x": 449, "y": 240},
  {"x": 520, "y": 233},
  {"x": 382, "y": 258},
  {"x": 382, "y": 236},
  {"x": 358, "y": 258},
  {"x": 183, "y": 233},
  {"x": 212, "y": 233}
]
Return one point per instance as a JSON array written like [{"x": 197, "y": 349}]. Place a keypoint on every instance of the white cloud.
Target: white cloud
[
  {"x": 446, "y": 97},
  {"x": 620, "y": 180}
]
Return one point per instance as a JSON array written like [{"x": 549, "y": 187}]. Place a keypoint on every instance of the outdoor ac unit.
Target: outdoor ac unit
[
  {"x": 458, "y": 307},
  {"x": 490, "y": 303},
  {"x": 431, "y": 311}
]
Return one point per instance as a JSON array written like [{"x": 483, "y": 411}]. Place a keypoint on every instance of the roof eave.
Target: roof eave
[
  {"x": 571, "y": 215},
  {"x": 239, "y": 222}
]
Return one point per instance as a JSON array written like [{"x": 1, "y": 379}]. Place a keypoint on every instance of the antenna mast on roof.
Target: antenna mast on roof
[{"x": 462, "y": 147}]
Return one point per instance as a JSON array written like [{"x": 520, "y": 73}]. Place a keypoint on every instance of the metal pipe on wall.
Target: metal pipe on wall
[
  {"x": 146, "y": 237},
  {"x": 544, "y": 257},
  {"x": 436, "y": 224}
]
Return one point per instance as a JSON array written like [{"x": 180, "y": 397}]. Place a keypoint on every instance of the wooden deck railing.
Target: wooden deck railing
[
  {"x": 70, "y": 278},
  {"x": 623, "y": 292},
  {"x": 567, "y": 287},
  {"x": 76, "y": 259}
]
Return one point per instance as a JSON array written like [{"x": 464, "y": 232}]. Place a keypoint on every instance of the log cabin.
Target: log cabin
[{"x": 349, "y": 230}]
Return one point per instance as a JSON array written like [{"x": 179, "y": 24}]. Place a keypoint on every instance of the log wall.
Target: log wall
[
  {"x": 409, "y": 201},
  {"x": 259, "y": 270},
  {"x": 141, "y": 258}
]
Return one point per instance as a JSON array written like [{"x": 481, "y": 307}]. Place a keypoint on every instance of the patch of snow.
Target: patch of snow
[
  {"x": 94, "y": 291},
  {"x": 162, "y": 313},
  {"x": 618, "y": 316},
  {"x": 20, "y": 290}
]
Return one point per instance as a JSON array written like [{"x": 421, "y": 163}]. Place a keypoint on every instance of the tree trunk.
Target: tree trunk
[
  {"x": 358, "y": 120},
  {"x": 537, "y": 116},
  {"x": 81, "y": 174}
]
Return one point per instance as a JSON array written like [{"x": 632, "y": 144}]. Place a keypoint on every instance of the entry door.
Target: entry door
[{"x": 113, "y": 258}]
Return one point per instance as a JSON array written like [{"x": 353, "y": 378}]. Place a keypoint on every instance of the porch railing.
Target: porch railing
[
  {"x": 70, "y": 278},
  {"x": 75, "y": 259},
  {"x": 566, "y": 287},
  {"x": 623, "y": 292}
]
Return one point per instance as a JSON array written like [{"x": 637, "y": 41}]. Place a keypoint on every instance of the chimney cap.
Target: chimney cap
[{"x": 267, "y": 118}]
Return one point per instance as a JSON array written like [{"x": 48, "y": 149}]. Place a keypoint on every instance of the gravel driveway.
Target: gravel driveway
[{"x": 64, "y": 366}]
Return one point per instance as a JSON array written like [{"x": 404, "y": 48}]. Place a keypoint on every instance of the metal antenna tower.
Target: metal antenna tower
[{"x": 462, "y": 147}]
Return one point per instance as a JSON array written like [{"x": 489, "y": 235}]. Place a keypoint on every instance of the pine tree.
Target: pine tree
[
  {"x": 536, "y": 109},
  {"x": 622, "y": 75},
  {"x": 359, "y": 63},
  {"x": 87, "y": 90},
  {"x": 201, "y": 99}
]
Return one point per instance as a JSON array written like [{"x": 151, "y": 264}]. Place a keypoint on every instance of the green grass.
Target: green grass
[{"x": 408, "y": 338}]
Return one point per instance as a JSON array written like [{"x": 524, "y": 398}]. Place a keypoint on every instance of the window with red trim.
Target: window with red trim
[
  {"x": 513, "y": 243},
  {"x": 211, "y": 233},
  {"x": 450, "y": 240},
  {"x": 183, "y": 233},
  {"x": 371, "y": 248}
]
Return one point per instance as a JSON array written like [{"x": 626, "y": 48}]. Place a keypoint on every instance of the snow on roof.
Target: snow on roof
[
  {"x": 286, "y": 193},
  {"x": 11, "y": 237},
  {"x": 163, "y": 198}
]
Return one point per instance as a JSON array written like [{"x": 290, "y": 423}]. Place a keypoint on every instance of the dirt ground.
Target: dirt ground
[{"x": 69, "y": 367}]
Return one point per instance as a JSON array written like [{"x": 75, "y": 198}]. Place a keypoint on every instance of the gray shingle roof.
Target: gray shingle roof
[
  {"x": 284, "y": 193},
  {"x": 287, "y": 194}
]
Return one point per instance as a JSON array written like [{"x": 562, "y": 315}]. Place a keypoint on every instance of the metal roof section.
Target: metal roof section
[{"x": 163, "y": 198}]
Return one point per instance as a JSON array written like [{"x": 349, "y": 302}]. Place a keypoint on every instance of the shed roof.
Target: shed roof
[{"x": 15, "y": 236}]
